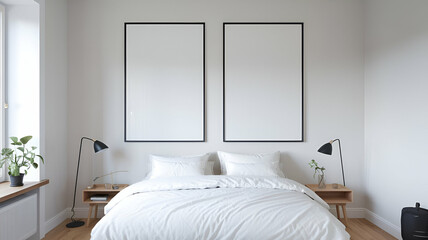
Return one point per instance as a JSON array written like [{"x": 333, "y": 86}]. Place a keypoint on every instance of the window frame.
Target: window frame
[{"x": 3, "y": 174}]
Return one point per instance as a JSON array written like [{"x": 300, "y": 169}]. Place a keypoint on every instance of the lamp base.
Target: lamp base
[{"x": 75, "y": 224}]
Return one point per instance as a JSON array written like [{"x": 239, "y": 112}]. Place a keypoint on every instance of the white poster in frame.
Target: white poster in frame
[
  {"x": 263, "y": 82},
  {"x": 164, "y": 82}
]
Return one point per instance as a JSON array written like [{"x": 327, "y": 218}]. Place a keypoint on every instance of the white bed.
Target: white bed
[{"x": 218, "y": 207}]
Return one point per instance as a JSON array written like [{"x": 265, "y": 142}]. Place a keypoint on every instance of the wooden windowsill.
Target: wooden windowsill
[{"x": 7, "y": 192}]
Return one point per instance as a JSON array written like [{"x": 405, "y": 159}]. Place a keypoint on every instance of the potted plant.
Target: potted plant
[
  {"x": 320, "y": 171},
  {"x": 17, "y": 158}
]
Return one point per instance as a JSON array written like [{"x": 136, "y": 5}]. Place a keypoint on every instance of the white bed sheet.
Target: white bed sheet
[{"x": 218, "y": 207}]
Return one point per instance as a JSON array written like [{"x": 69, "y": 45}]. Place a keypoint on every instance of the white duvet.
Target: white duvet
[{"x": 218, "y": 207}]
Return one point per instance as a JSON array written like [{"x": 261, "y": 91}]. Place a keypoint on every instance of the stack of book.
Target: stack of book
[{"x": 99, "y": 197}]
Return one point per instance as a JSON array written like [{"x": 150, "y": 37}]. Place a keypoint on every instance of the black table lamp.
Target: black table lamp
[
  {"x": 327, "y": 149},
  {"x": 98, "y": 146}
]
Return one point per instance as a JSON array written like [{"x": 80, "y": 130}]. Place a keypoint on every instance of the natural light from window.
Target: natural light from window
[{"x": 2, "y": 76}]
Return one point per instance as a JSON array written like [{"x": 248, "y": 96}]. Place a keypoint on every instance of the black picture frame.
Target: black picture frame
[
  {"x": 302, "y": 82},
  {"x": 203, "y": 139}
]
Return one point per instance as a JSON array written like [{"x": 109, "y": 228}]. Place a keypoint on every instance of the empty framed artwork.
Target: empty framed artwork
[
  {"x": 164, "y": 82},
  {"x": 263, "y": 82}
]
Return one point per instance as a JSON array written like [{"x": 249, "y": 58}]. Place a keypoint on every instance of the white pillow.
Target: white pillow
[
  {"x": 177, "y": 166},
  {"x": 209, "y": 168},
  {"x": 263, "y": 164}
]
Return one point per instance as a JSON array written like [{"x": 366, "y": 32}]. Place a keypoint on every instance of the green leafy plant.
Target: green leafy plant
[
  {"x": 20, "y": 156},
  {"x": 318, "y": 169}
]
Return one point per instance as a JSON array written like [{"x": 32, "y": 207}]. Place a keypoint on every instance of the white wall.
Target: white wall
[
  {"x": 334, "y": 94},
  {"x": 396, "y": 115},
  {"x": 55, "y": 110},
  {"x": 22, "y": 73}
]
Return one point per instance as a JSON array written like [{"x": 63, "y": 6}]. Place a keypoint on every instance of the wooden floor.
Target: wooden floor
[
  {"x": 358, "y": 228},
  {"x": 362, "y": 229},
  {"x": 60, "y": 232}
]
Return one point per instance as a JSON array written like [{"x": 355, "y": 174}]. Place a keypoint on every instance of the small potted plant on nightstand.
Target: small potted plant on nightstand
[
  {"x": 17, "y": 158},
  {"x": 320, "y": 171}
]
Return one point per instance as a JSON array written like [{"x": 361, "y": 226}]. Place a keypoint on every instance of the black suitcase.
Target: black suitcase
[{"x": 414, "y": 223}]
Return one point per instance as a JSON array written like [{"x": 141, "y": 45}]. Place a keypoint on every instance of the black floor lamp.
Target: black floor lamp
[
  {"x": 327, "y": 149},
  {"x": 98, "y": 146}
]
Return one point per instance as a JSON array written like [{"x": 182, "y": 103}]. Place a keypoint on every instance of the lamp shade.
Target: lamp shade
[
  {"x": 326, "y": 149},
  {"x": 98, "y": 146}
]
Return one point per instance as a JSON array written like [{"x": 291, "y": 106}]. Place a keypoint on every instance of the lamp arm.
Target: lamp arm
[
  {"x": 107, "y": 174},
  {"x": 91, "y": 139},
  {"x": 341, "y": 161},
  {"x": 77, "y": 175}
]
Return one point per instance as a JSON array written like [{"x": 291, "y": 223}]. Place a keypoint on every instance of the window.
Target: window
[{"x": 2, "y": 86}]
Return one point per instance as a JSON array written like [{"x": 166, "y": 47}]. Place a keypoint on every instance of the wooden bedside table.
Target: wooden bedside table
[
  {"x": 99, "y": 189},
  {"x": 339, "y": 197}
]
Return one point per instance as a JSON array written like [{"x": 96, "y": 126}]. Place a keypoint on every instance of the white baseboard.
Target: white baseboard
[
  {"x": 55, "y": 221},
  {"x": 82, "y": 212},
  {"x": 383, "y": 224},
  {"x": 66, "y": 213},
  {"x": 373, "y": 218},
  {"x": 351, "y": 212}
]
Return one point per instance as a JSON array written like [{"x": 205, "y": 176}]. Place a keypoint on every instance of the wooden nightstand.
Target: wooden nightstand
[
  {"x": 99, "y": 189},
  {"x": 339, "y": 197}
]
